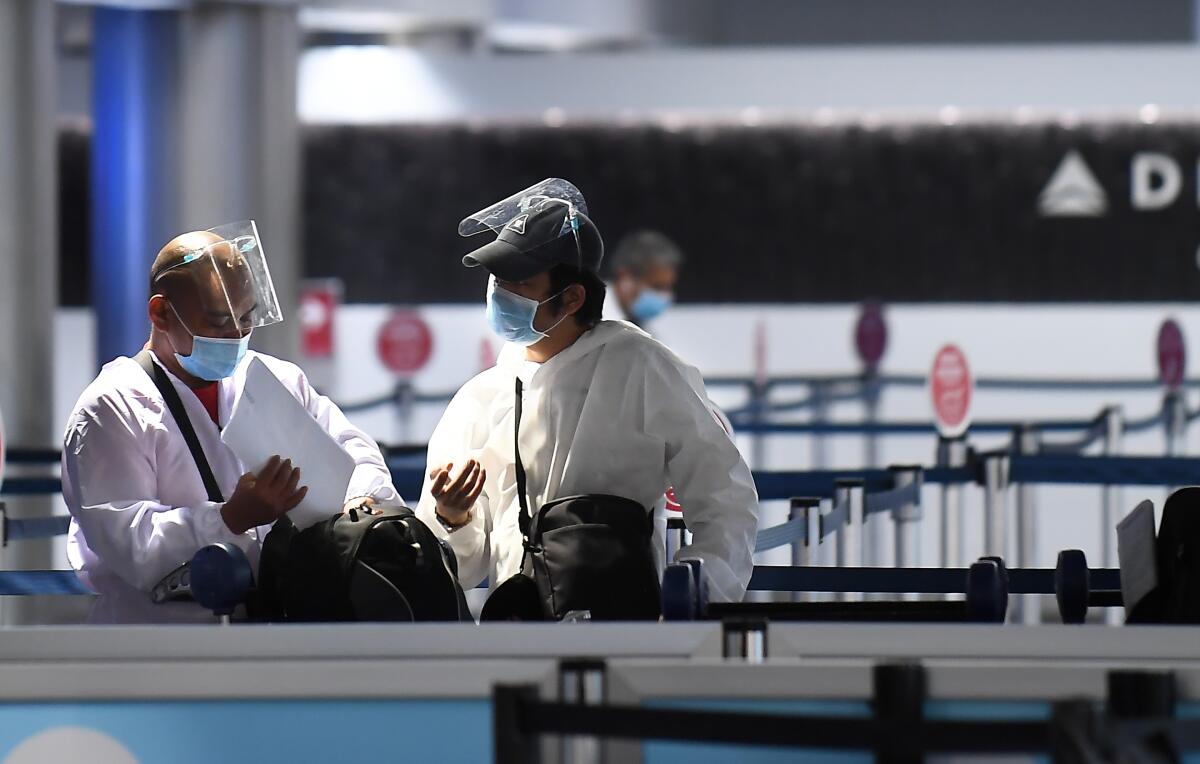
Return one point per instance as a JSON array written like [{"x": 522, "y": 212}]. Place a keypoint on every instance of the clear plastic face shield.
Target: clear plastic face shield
[
  {"x": 222, "y": 287},
  {"x": 516, "y": 210}
]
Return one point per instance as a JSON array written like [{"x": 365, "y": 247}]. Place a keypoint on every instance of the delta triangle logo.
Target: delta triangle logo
[
  {"x": 518, "y": 224},
  {"x": 1072, "y": 191}
]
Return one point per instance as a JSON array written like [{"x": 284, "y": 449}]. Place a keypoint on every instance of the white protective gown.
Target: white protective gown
[
  {"x": 616, "y": 413},
  {"x": 138, "y": 504}
]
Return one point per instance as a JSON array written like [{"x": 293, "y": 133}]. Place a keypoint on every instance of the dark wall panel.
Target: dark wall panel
[{"x": 775, "y": 214}]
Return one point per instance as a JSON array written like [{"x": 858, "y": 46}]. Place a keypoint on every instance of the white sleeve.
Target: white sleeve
[
  {"x": 109, "y": 470},
  {"x": 451, "y": 442},
  {"x": 712, "y": 482},
  {"x": 371, "y": 475}
]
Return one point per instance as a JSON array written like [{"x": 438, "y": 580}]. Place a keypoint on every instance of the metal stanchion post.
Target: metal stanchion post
[
  {"x": 582, "y": 682},
  {"x": 1027, "y": 442},
  {"x": 872, "y": 391},
  {"x": 758, "y": 407},
  {"x": 405, "y": 396},
  {"x": 1114, "y": 430},
  {"x": 820, "y": 552},
  {"x": 850, "y": 497},
  {"x": 952, "y": 452},
  {"x": 995, "y": 504},
  {"x": 677, "y": 537},
  {"x": 1176, "y": 421},
  {"x": 745, "y": 639},
  {"x": 1111, "y": 500},
  {"x": 907, "y": 519},
  {"x": 805, "y": 508},
  {"x": 820, "y": 415}
]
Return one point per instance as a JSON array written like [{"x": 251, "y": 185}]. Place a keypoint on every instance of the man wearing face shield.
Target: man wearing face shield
[
  {"x": 606, "y": 408},
  {"x": 643, "y": 270},
  {"x": 139, "y": 502}
]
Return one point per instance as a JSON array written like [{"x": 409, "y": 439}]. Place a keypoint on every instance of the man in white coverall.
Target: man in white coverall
[
  {"x": 138, "y": 502},
  {"x": 607, "y": 409}
]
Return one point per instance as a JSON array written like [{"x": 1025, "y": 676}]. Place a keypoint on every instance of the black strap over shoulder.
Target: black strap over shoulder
[
  {"x": 175, "y": 405},
  {"x": 525, "y": 520}
]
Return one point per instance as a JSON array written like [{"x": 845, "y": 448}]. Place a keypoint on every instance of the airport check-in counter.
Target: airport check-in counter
[{"x": 423, "y": 692}]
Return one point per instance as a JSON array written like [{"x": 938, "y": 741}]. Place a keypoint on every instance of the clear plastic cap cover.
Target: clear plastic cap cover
[
  {"x": 500, "y": 214},
  {"x": 229, "y": 271}
]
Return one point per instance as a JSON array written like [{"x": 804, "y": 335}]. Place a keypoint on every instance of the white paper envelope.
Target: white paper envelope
[
  {"x": 1136, "y": 553},
  {"x": 268, "y": 420}
]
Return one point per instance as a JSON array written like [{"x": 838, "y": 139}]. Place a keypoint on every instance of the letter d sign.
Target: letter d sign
[{"x": 1156, "y": 181}]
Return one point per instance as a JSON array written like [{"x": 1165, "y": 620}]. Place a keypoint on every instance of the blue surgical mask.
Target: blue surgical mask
[
  {"x": 212, "y": 358},
  {"x": 511, "y": 315},
  {"x": 650, "y": 304}
]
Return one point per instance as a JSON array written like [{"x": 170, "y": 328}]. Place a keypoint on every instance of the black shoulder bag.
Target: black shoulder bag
[{"x": 590, "y": 553}]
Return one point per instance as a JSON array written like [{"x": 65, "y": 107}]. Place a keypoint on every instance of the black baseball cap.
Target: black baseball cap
[{"x": 536, "y": 241}]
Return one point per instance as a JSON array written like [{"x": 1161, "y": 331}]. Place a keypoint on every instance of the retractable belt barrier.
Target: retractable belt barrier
[{"x": 1136, "y": 720}]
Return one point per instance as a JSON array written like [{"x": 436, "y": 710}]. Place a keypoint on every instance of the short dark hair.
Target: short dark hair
[
  {"x": 640, "y": 250},
  {"x": 563, "y": 276}
]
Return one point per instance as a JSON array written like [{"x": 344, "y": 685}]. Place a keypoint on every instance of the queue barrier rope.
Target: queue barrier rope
[
  {"x": 828, "y": 732},
  {"x": 786, "y": 578},
  {"x": 33, "y": 582}
]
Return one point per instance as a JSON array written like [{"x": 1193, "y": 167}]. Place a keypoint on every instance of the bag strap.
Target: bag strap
[
  {"x": 175, "y": 405},
  {"x": 525, "y": 519}
]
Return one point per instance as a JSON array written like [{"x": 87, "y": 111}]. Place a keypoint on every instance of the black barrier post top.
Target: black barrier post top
[
  {"x": 1141, "y": 694},
  {"x": 800, "y": 502},
  {"x": 582, "y": 663},
  {"x": 512, "y": 744}
]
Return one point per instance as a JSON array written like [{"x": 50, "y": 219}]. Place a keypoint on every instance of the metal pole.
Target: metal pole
[
  {"x": 952, "y": 452},
  {"x": 241, "y": 137},
  {"x": 850, "y": 494},
  {"x": 1114, "y": 431},
  {"x": 805, "y": 507},
  {"x": 878, "y": 526},
  {"x": 872, "y": 391},
  {"x": 582, "y": 682},
  {"x": 1176, "y": 412},
  {"x": 29, "y": 224},
  {"x": 995, "y": 504},
  {"x": 1027, "y": 442},
  {"x": 820, "y": 415},
  {"x": 907, "y": 518},
  {"x": 676, "y": 537}
]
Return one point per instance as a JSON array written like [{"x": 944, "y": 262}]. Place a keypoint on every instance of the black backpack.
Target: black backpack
[
  {"x": 358, "y": 567},
  {"x": 1176, "y": 599}
]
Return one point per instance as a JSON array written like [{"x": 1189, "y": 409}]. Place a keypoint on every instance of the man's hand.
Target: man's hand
[
  {"x": 263, "y": 498},
  {"x": 364, "y": 504},
  {"x": 456, "y": 495}
]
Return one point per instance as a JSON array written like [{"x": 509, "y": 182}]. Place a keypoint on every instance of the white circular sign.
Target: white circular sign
[{"x": 70, "y": 744}]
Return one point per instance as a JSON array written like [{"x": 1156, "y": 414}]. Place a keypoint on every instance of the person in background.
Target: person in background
[
  {"x": 139, "y": 502},
  {"x": 642, "y": 274}
]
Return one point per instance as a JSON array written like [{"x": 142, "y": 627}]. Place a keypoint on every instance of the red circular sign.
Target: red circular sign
[
  {"x": 1172, "y": 356},
  {"x": 950, "y": 388},
  {"x": 404, "y": 342},
  {"x": 871, "y": 334}
]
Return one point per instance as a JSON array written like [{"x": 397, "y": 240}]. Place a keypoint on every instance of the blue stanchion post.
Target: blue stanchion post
[{"x": 134, "y": 80}]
